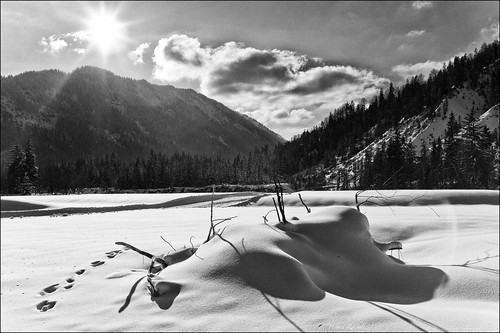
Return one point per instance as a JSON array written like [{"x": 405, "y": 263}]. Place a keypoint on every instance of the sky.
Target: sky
[{"x": 285, "y": 64}]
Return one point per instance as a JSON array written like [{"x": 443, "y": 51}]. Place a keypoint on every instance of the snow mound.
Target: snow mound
[{"x": 328, "y": 251}]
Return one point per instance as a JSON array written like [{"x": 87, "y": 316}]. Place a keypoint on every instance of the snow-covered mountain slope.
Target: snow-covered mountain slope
[
  {"x": 426, "y": 126},
  {"x": 490, "y": 118},
  {"x": 420, "y": 128}
]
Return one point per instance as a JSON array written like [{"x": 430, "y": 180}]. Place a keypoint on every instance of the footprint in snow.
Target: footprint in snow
[
  {"x": 96, "y": 263},
  {"x": 50, "y": 289},
  {"x": 45, "y": 305},
  {"x": 112, "y": 254}
]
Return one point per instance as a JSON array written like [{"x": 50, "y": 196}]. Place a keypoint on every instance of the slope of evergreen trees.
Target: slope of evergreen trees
[{"x": 352, "y": 127}]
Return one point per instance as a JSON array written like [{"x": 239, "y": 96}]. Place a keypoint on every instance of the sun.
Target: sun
[{"x": 105, "y": 32}]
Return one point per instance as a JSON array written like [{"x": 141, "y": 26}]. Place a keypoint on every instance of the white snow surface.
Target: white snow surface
[{"x": 321, "y": 273}]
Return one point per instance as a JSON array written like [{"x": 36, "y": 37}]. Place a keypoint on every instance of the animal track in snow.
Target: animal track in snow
[
  {"x": 50, "y": 289},
  {"x": 96, "y": 263},
  {"x": 112, "y": 254},
  {"x": 45, "y": 305}
]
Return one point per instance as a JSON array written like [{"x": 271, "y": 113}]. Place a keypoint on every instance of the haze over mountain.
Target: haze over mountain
[{"x": 91, "y": 111}]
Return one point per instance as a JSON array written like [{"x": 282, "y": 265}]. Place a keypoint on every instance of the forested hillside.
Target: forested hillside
[
  {"x": 92, "y": 112},
  {"x": 373, "y": 145}
]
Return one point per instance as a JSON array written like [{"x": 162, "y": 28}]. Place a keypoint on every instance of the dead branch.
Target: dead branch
[
  {"x": 307, "y": 208},
  {"x": 277, "y": 211},
  {"x": 154, "y": 259},
  {"x": 225, "y": 240},
  {"x": 281, "y": 204},
  {"x": 265, "y": 216},
  {"x": 168, "y": 243},
  {"x": 144, "y": 253},
  {"x": 211, "y": 230}
]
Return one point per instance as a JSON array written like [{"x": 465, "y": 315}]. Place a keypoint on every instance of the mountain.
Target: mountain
[
  {"x": 380, "y": 144},
  {"x": 91, "y": 112}
]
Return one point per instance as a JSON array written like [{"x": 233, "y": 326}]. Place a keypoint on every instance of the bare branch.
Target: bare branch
[
  {"x": 307, "y": 208},
  {"x": 225, "y": 240},
  {"x": 277, "y": 212},
  {"x": 144, "y": 253},
  {"x": 279, "y": 195},
  {"x": 265, "y": 216},
  {"x": 211, "y": 229},
  {"x": 168, "y": 243}
]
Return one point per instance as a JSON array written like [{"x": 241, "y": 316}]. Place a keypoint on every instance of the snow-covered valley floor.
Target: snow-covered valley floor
[{"x": 62, "y": 271}]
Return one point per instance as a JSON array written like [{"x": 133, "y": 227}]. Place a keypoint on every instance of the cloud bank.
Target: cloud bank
[{"x": 285, "y": 91}]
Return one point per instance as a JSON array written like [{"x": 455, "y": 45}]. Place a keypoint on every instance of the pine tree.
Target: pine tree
[
  {"x": 31, "y": 169},
  {"x": 423, "y": 167},
  {"x": 394, "y": 162},
  {"x": 471, "y": 153},
  {"x": 16, "y": 170},
  {"x": 486, "y": 158},
  {"x": 436, "y": 163},
  {"x": 410, "y": 165},
  {"x": 451, "y": 153}
]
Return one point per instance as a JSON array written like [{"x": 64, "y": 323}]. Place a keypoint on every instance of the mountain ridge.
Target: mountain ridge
[{"x": 92, "y": 111}]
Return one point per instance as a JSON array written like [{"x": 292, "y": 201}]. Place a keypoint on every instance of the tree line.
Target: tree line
[
  {"x": 20, "y": 176},
  {"x": 157, "y": 171}
]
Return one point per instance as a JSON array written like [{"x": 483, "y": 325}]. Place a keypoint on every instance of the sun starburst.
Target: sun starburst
[{"x": 105, "y": 31}]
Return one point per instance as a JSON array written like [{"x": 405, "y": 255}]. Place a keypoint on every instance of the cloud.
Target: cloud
[
  {"x": 137, "y": 55},
  {"x": 53, "y": 45},
  {"x": 424, "y": 68},
  {"x": 179, "y": 57},
  {"x": 321, "y": 79},
  {"x": 422, "y": 5},
  {"x": 235, "y": 68},
  {"x": 415, "y": 33},
  {"x": 77, "y": 42},
  {"x": 283, "y": 90},
  {"x": 490, "y": 33}
]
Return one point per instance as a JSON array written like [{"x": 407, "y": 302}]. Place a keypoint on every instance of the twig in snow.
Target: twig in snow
[
  {"x": 168, "y": 243},
  {"x": 307, "y": 208},
  {"x": 281, "y": 204},
  {"x": 144, "y": 253},
  {"x": 277, "y": 211},
  {"x": 265, "y": 216}
]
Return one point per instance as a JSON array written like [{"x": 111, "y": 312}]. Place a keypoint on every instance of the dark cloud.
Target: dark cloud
[
  {"x": 312, "y": 106},
  {"x": 324, "y": 82},
  {"x": 257, "y": 68},
  {"x": 311, "y": 63},
  {"x": 282, "y": 115}
]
